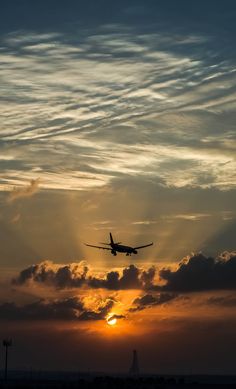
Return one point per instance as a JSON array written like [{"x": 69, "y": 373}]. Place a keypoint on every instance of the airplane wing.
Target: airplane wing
[
  {"x": 141, "y": 247},
  {"x": 98, "y": 247}
]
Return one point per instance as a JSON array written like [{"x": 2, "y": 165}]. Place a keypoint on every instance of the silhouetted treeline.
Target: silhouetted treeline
[{"x": 109, "y": 382}]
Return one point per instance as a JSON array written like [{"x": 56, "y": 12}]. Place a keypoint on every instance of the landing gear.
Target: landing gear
[
  {"x": 113, "y": 252},
  {"x": 128, "y": 254}
]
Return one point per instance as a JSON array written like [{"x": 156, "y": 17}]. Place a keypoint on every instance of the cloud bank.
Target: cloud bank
[
  {"x": 200, "y": 273},
  {"x": 196, "y": 273},
  {"x": 78, "y": 275},
  {"x": 65, "y": 309}
]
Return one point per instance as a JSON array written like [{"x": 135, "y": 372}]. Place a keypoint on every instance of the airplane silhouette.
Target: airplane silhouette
[{"x": 118, "y": 248}]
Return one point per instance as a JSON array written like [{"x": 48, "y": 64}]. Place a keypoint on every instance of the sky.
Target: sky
[{"x": 118, "y": 117}]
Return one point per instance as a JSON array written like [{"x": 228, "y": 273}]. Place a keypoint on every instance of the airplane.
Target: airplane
[{"x": 118, "y": 248}]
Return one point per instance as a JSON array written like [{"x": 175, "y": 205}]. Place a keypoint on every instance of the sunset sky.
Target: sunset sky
[{"x": 118, "y": 116}]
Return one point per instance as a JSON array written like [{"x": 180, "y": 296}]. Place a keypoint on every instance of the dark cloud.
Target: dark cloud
[
  {"x": 198, "y": 273},
  {"x": 115, "y": 316},
  {"x": 201, "y": 273},
  {"x": 68, "y": 276},
  {"x": 223, "y": 301},
  {"x": 131, "y": 278},
  {"x": 65, "y": 309},
  {"x": 75, "y": 276},
  {"x": 147, "y": 277},
  {"x": 148, "y": 300},
  {"x": 100, "y": 314}
]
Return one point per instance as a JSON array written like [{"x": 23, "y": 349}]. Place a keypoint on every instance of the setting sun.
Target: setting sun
[{"x": 111, "y": 321}]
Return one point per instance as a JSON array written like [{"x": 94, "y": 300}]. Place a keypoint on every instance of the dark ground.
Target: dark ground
[{"x": 112, "y": 382}]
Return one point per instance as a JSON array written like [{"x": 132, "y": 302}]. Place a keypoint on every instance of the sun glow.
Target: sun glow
[{"x": 111, "y": 321}]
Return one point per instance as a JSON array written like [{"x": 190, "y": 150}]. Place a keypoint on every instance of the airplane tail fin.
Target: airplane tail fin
[{"x": 111, "y": 239}]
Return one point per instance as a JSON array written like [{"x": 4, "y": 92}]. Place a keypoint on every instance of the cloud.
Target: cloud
[
  {"x": 65, "y": 309},
  {"x": 78, "y": 275},
  {"x": 100, "y": 314},
  {"x": 200, "y": 273},
  {"x": 162, "y": 97},
  {"x": 22, "y": 192},
  {"x": 115, "y": 316},
  {"x": 187, "y": 216},
  {"x": 195, "y": 273},
  {"x": 129, "y": 279},
  {"x": 223, "y": 301},
  {"x": 148, "y": 300},
  {"x": 68, "y": 276}
]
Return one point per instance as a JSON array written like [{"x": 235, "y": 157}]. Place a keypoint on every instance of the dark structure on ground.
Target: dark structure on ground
[
  {"x": 134, "y": 369},
  {"x": 6, "y": 343}
]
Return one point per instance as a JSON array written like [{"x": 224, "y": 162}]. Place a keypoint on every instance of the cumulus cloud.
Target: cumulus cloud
[
  {"x": 201, "y": 273},
  {"x": 196, "y": 273},
  {"x": 100, "y": 314},
  {"x": 77, "y": 275},
  {"x": 65, "y": 309},
  {"x": 131, "y": 278},
  {"x": 68, "y": 276},
  {"x": 25, "y": 191},
  {"x": 148, "y": 300}
]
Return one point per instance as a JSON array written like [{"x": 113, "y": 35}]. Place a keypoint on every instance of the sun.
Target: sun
[{"x": 111, "y": 321}]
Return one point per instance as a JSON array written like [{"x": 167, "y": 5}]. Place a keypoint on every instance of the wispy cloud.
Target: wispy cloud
[
  {"x": 23, "y": 192},
  {"x": 188, "y": 216},
  {"x": 73, "y": 102}
]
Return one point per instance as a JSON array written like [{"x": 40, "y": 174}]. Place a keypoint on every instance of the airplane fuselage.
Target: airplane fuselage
[{"x": 122, "y": 249}]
